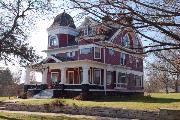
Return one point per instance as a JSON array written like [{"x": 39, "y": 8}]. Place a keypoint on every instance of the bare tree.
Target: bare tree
[
  {"x": 151, "y": 19},
  {"x": 16, "y": 21}
]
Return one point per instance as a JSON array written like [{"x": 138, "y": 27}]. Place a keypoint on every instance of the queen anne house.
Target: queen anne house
[{"x": 93, "y": 58}]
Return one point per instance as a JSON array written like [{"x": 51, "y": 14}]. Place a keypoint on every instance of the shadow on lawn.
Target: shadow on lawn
[
  {"x": 145, "y": 99},
  {"x": 7, "y": 118}
]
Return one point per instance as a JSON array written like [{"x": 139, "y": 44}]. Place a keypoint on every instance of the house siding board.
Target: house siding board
[
  {"x": 63, "y": 40},
  {"x": 112, "y": 59}
]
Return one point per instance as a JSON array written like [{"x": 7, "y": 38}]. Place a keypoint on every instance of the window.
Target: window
[
  {"x": 121, "y": 80},
  {"x": 53, "y": 41},
  {"x": 125, "y": 40},
  {"x": 111, "y": 51},
  {"x": 136, "y": 42},
  {"x": 97, "y": 76},
  {"x": 71, "y": 54},
  {"x": 54, "y": 77},
  {"x": 86, "y": 31},
  {"x": 122, "y": 58},
  {"x": 109, "y": 77},
  {"x": 97, "y": 53},
  {"x": 138, "y": 81},
  {"x": 85, "y": 50}
]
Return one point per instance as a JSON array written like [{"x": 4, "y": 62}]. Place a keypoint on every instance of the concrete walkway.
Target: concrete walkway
[{"x": 66, "y": 115}]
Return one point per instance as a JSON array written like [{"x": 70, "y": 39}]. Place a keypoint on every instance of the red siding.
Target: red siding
[{"x": 112, "y": 59}]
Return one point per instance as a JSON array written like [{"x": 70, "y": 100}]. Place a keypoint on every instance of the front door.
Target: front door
[{"x": 71, "y": 77}]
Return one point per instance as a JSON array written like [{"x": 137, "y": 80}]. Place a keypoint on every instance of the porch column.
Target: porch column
[
  {"x": 27, "y": 76},
  {"x": 44, "y": 76},
  {"x": 63, "y": 75},
  {"x": 85, "y": 74}
]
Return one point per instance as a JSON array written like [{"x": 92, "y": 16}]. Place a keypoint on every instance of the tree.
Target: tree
[
  {"x": 16, "y": 21},
  {"x": 6, "y": 77},
  {"x": 165, "y": 69},
  {"x": 151, "y": 19}
]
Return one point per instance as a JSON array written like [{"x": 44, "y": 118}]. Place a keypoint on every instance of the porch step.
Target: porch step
[{"x": 44, "y": 94}]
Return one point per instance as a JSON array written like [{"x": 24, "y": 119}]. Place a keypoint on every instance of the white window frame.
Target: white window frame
[
  {"x": 68, "y": 77},
  {"x": 54, "y": 73},
  {"x": 95, "y": 52},
  {"x": 50, "y": 36},
  {"x": 94, "y": 77}
]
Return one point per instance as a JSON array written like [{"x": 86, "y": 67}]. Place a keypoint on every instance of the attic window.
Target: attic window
[{"x": 125, "y": 40}]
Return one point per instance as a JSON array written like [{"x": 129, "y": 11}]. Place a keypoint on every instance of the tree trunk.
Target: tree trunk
[{"x": 167, "y": 91}]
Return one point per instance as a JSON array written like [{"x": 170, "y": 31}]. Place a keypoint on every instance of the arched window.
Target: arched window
[
  {"x": 125, "y": 40},
  {"x": 53, "y": 41}
]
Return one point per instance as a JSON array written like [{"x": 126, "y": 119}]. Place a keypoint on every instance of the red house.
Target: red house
[{"x": 94, "y": 58}]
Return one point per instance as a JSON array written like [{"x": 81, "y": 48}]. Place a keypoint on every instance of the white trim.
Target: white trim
[
  {"x": 121, "y": 48},
  {"x": 68, "y": 77},
  {"x": 114, "y": 36},
  {"x": 95, "y": 52},
  {"x": 51, "y": 58},
  {"x": 62, "y": 30},
  {"x": 73, "y": 89},
  {"x": 61, "y": 50}
]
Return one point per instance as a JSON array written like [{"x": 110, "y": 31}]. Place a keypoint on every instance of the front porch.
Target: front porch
[{"x": 84, "y": 76}]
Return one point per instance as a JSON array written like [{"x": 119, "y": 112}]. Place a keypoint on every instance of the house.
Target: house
[{"x": 93, "y": 58}]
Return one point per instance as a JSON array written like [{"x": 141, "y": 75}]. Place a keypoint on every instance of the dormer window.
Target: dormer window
[
  {"x": 53, "y": 41},
  {"x": 125, "y": 40},
  {"x": 89, "y": 31}
]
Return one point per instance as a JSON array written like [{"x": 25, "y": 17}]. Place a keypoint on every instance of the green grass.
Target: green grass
[
  {"x": 17, "y": 116},
  {"x": 6, "y": 98},
  {"x": 156, "y": 101}
]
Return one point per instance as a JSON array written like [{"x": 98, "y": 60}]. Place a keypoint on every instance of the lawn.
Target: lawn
[
  {"x": 18, "y": 116},
  {"x": 152, "y": 102}
]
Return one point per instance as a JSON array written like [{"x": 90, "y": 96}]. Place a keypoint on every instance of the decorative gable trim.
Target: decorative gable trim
[
  {"x": 51, "y": 57},
  {"x": 114, "y": 36}
]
